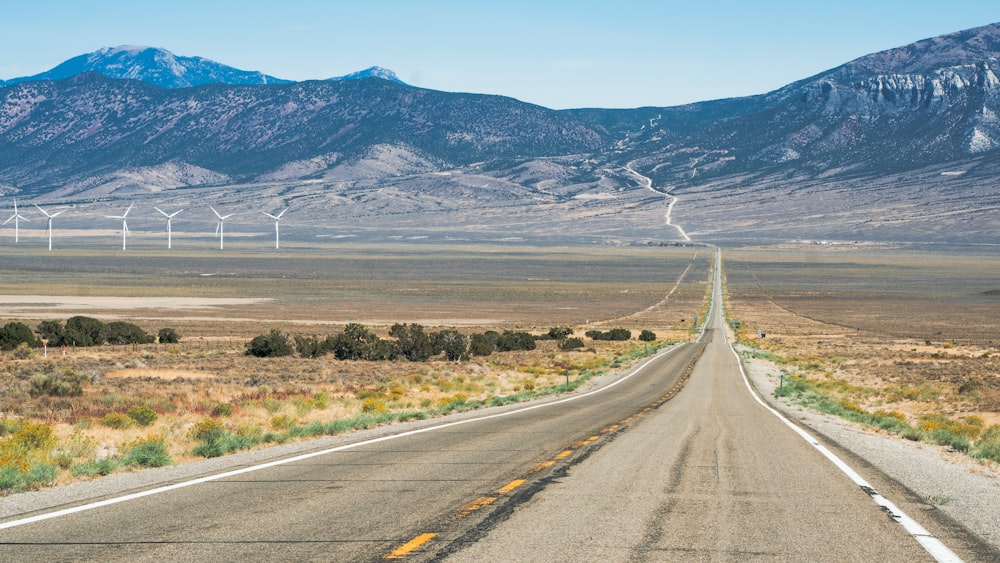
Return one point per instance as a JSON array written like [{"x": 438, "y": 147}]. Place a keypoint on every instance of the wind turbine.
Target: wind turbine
[
  {"x": 16, "y": 216},
  {"x": 220, "y": 229},
  {"x": 124, "y": 223},
  {"x": 169, "y": 217},
  {"x": 46, "y": 213},
  {"x": 277, "y": 219}
]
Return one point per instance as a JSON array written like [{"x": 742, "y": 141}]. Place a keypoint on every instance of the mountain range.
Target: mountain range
[{"x": 897, "y": 145}]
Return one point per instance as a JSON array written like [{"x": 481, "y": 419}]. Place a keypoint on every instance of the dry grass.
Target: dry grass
[
  {"x": 905, "y": 330},
  {"x": 207, "y": 376}
]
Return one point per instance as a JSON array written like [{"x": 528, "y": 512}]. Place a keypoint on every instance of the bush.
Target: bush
[
  {"x": 482, "y": 344},
  {"x": 571, "y": 344},
  {"x": 510, "y": 341},
  {"x": 615, "y": 334},
  {"x": 271, "y": 345},
  {"x": 454, "y": 344},
  {"x": 149, "y": 452},
  {"x": 116, "y": 420},
  {"x": 67, "y": 384},
  {"x": 52, "y": 331},
  {"x": 559, "y": 332},
  {"x": 358, "y": 343},
  {"x": 168, "y": 336},
  {"x": 14, "y": 334},
  {"x": 120, "y": 332},
  {"x": 142, "y": 415},
  {"x": 84, "y": 331},
  {"x": 94, "y": 468},
  {"x": 647, "y": 336},
  {"x": 311, "y": 347},
  {"x": 412, "y": 342}
]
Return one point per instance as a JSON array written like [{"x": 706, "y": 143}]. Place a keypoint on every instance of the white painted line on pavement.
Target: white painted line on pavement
[{"x": 931, "y": 544}]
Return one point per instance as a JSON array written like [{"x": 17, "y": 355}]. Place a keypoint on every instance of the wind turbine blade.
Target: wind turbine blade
[
  {"x": 161, "y": 211},
  {"x": 217, "y": 227},
  {"x": 282, "y": 213},
  {"x": 57, "y": 213},
  {"x": 216, "y": 213},
  {"x": 271, "y": 216},
  {"x": 129, "y": 209},
  {"x": 125, "y": 226},
  {"x": 175, "y": 213},
  {"x": 9, "y": 220},
  {"x": 44, "y": 212}
]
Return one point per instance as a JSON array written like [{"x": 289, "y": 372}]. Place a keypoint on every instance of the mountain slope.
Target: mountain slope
[
  {"x": 154, "y": 66},
  {"x": 52, "y": 131},
  {"x": 929, "y": 102}
]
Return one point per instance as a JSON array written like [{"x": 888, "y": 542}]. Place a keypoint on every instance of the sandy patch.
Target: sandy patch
[{"x": 20, "y": 303}]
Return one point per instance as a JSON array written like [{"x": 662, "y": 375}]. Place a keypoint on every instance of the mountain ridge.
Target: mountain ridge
[{"x": 907, "y": 113}]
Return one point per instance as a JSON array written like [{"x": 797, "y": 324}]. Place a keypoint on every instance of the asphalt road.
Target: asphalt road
[{"x": 645, "y": 469}]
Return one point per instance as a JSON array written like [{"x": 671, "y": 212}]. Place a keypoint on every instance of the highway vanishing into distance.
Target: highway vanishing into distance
[{"x": 676, "y": 460}]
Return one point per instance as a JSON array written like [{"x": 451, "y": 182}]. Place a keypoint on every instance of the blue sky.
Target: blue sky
[{"x": 557, "y": 54}]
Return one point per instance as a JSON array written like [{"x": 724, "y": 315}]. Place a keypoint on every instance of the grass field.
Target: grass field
[
  {"x": 207, "y": 397},
  {"x": 907, "y": 338}
]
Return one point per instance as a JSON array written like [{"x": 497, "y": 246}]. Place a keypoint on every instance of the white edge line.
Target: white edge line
[
  {"x": 931, "y": 544},
  {"x": 301, "y": 457}
]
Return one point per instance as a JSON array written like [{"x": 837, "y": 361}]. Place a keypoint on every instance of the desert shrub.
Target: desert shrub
[
  {"x": 32, "y": 436},
  {"x": 148, "y": 452},
  {"x": 373, "y": 405},
  {"x": 51, "y": 330},
  {"x": 14, "y": 334},
  {"x": 482, "y": 344},
  {"x": 94, "y": 468},
  {"x": 454, "y": 344},
  {"x": 116, "y": 420},
  {"x": 311, "y": 347},
  {"x": 67, "y": 384},
  {"x": 282, "y": 422},
  {"x": 358, "y": 343},
  {"x": 37, "y": 474},
  {"x": 271, "y": 345},
  {"x": 84, "y": 331},
  {"x": 142, "y": 415},
  {"x": 615, "y": 334},
  {"x": 559, "y": 332},
  {"x": 971, "y": 386},
  {"x": 412, "y": 342},
  {"x": 121, "y": 332},
  {"x": 206, "y": 429},
  {"x": 647, "y": 336},
  {"x": 514, "y": 340},
  {"x": 168, "y": 336},
  {"x": 571, "y": 344},
  {"x": 221, "y": 409}
]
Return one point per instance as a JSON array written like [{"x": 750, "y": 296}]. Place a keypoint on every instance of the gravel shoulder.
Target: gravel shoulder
[{"x": 965, "y": 489}]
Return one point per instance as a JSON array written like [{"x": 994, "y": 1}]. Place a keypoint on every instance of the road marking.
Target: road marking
[
  {"x": 410, "y": 546},
  {"x": 931, "y": 544},
  {"x": 335, "y": 449},
  {"x": 564, "y": 453},
  {"x": 510, "y": 486},
  {"x": 475, "y": 505},
  {"x": 542, "y": 466}
]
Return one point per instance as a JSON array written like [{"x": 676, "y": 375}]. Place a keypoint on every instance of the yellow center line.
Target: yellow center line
[
  {"x": 563, "y": 454},
  {"x": 476, "y": 505},
  {"x": 541, "y": 466},
  {"x": 408, "y": 547},
  {"x": 511, "y": 486}
]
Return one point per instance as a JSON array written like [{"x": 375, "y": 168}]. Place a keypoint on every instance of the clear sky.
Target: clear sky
[{"x": 559, "y": 54}]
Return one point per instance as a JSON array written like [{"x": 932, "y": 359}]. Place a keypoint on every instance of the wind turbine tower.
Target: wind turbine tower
[
  {"x": 277, "y": 219},
  {"x": 220, "y": 228},
  {"x": 46, "y": 213},
  {"x": 124, "y": 223},
  {"x": 15, "y": 217},
  {"x": 169, "y": 217}
]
